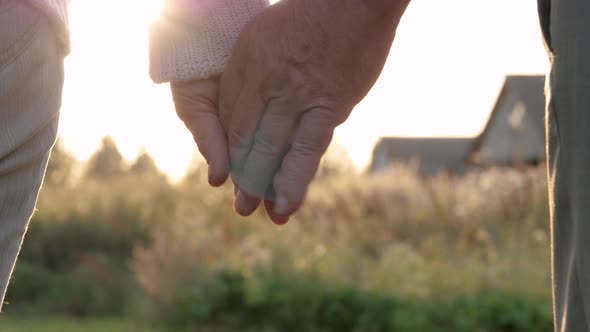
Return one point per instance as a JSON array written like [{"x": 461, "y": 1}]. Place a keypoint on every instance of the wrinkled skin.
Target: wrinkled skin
[
  {"x": 297, "y": 71},
  {"x": 196, "y": 106}
]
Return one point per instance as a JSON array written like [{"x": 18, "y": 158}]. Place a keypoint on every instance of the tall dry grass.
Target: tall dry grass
[
  {"x": 396, "y": 234},
  {"x": 388, "y": 252}
]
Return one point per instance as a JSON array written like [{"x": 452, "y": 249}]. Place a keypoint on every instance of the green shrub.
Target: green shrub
[
  {"x": 74, "y": 259},
  {"x": 274, "y": 302},
  {"x": 84, "y": 291}
]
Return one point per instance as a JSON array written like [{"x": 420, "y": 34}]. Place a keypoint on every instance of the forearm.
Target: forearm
[{"x": 193, "y": 39}]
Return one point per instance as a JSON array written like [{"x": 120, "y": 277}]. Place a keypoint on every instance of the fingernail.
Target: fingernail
[
  {"x": 281, "y": 206},
  {"x": 281, "y": 220},
  {"x": 214, "y": 180},
  {"x": 240, "y": 204}
]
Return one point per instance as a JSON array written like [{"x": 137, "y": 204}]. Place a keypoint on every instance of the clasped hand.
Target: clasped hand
[{"x": 296, "y": 73}]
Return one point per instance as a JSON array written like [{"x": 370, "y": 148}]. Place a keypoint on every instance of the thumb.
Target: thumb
[{"x": 196, "y": 106}]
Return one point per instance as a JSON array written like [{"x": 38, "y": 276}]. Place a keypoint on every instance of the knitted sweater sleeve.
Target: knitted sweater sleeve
[{"x": 193, "y": 39}]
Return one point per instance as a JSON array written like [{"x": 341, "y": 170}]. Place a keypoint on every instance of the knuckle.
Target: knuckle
[
  {"x": 237, "y": 139},
  {"x": 340, "y": 117},
  {"x": 325, "y": 114},
  {"x": 305, "y": 148},
  {"x": 266, "y": 147}
]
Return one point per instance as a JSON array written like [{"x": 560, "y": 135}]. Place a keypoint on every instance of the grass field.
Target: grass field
[
  {"x": 48, "y": 324},
  {"x": 389, "y": 252}
]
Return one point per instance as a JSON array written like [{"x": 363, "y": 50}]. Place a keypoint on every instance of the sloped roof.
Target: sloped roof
[
  {"x": 530, "y": 91},
  {"x": 433, "y": 153},
  {"x": 438, "y": 153}
]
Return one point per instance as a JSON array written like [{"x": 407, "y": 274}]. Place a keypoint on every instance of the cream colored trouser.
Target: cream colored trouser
[{"x": 31, "y": 80}]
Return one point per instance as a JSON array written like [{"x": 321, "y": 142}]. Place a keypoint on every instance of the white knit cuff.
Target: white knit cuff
[{"x": 196, "y": 41}]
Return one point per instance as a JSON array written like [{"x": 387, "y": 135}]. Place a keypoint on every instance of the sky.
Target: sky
[{"x": 442, "y": 77}]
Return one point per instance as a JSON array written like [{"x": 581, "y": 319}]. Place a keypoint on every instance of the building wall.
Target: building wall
[
  {"x": 430, "y": 155},
  {"x": 513, "y": 136}
]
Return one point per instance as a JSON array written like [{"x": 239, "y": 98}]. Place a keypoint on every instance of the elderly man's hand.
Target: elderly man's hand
[
  {"x": 297, "y": 71},
  {"x": 196, "y": 106}
]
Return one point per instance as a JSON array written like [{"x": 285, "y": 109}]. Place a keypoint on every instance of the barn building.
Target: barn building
[
  {"x": 514, "y": 134},
  {"x": 431, "y": 155},
  {"x": 515, "y": 131}
]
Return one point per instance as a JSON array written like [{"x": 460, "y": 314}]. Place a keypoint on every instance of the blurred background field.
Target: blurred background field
[{"x": 118, "y": 247}]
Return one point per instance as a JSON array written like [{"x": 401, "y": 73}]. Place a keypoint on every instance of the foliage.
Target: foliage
[
  {"x": 10, "y": 323},
  {"x": 395, "y": 252},
  {"x": 144, "y": 165},
  {"x": 274, "y": 301},
  {"x": 389, "y": 252},
  {"x": 60, "y": 167},
  {"x": 106, "y": 162},
  {"x": 78, "y": 245}
]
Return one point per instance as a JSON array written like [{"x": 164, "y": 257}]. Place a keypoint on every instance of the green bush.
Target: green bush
[
  {"x": 81, "y": 292},
  {"x": 61, "y": 245},
  {"x": 275, "y": 302},
  {"x": 74, "y": 260}
]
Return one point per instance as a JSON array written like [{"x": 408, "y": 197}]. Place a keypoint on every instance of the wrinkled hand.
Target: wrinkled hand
[
  {"x": 296, "y": 73},
  {"x": 196, "y": 106}
]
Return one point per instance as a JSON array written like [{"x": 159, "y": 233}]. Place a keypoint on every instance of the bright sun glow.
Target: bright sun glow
[
  {"x": 442, "y": 77},
  {"x": 154, "y": 7}
]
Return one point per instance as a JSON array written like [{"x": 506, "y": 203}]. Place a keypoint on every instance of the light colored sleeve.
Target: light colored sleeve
[{"x": 193, "y": 39}]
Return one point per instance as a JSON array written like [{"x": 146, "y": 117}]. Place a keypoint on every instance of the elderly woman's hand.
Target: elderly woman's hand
[
  {"x": 297, "y": 71},
  {"x": 196, "y": 106}
]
